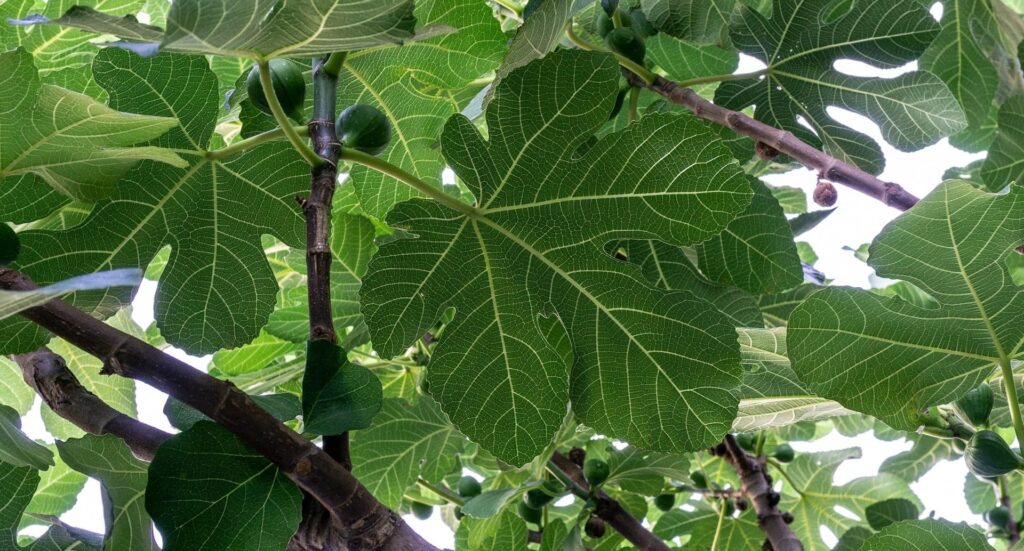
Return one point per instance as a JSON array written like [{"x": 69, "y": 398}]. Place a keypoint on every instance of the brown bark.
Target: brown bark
[
  {"x": 362, "y": 521},
  {"x": 758, "y": 489},
  {"x": 49, "y": 375}
]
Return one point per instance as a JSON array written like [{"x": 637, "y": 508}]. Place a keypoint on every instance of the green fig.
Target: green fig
[
  {"x": 468, "y": 487},
  {"x": 365, "y": 128},
  {"x": 595, "y": 471},
  {"x": 988, "y": 455},
  {"x": 289, "y": 87}
]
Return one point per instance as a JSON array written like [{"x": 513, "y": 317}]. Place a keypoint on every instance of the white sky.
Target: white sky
[{"x": 857, "y": 220}]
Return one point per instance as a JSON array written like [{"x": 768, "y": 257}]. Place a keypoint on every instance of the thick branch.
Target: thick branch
[
  {"x": 610, "y": 511},
  {"x": 49, "y": 375},
  {"x": 363, "y": 521},
  {"x": 758, "y": 489},
  {"x": 828, "y": 167}
]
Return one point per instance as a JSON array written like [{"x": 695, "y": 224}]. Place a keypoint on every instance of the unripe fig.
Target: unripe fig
[
  {"x": 421, "y": 510},
  {"x": 595, "y": 471},
  {"x": 641, "y": 24},
  {"x": 604, "y": 24},
  {"x": 988, "y": 455},
  {"x": 746, "y": 441},
  {"x": 665, "y": 502},
  {"x": 609, "y": 6},
  {"x": 9, "y": 244},
  {"x": 594, "y": 527},
  {"x": 529, "y": 514},
  {"x": 699, "y": 480},
  {"x": 468, "y": 487},
  {"x": 539, "y": 497},
  {"x": 365, "y": 128},
  {"x": 784, "y": 453},
  {"x": 976, "y": 405},
  {"x": 289, "y": 87},
  {"x": 998, "y": 517},
  {"x": 627, "y": 42}
]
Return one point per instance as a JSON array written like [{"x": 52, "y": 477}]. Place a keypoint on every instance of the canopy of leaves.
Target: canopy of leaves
[{"x": 528, "y": 248}]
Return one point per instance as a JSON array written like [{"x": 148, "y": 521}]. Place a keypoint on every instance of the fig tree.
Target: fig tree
[
  {"x": 784, "y": 453},
  {"x": 289, "y": 87},
  {"x": 699, "y": 480}
]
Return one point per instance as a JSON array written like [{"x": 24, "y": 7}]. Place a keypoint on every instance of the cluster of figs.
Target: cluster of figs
[{"x": 361, "y": 127}]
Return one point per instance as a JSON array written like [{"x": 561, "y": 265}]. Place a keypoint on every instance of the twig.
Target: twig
[
  {"x": 362, "y": 520},
  {"x": 828, "y": 167},
  {"x": 607, "y": 508},
  {"x": 1012, "y": 530},
  {"x": 758, "y": 489},
  {"x": 49, "y": 376}
]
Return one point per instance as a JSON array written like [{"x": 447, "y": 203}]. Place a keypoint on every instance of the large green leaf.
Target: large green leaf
[
  {"x": 415, "y": 86},
  {"x": 62, "y": 54},
  {"x": 405, "y": 442},
  {"x": 799, "y": 44},
  {"x": 57, "y": 491},
  {"x": 17, "y": 485},
  {"x": 701, "y": 524},
  {"x": 272, "y": 28},
  {"x": 1005, "y": 161},
  {"x": 701, "y": 21},
  {"x": 771, "y": 394},
  {"x": 815, "y": 502},
  {"x": 217, "y": 289},
  {"x": 931, "y": 534},
  {"x": 538, "y": 35},
  {"x": 643, "y": 472},
  {"x": 14, "y": 393},
  {"x": 207, "y": 490},
  {"x": 76, "y": 144},
  {"x": 108, "y": 459},
  {"x": 756, "y": 250},
  {"x": 958, "y": 56},
  {"x": 532, "y": 245},
  {"x": 925, "y": 453},
  {"x": 668, "y": 267},
  {"x": 18, "y": 449},
  {"x": 889, "y": 358}
]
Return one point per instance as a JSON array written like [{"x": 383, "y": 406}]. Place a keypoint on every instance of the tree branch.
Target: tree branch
[
  {"x": 48, "y": 374},
  {"x": 608, "y": 509},
  {"x": 364, "y": 522},
  {"x": 829, "y": 168},
  {"x": 755, "y": 484}
]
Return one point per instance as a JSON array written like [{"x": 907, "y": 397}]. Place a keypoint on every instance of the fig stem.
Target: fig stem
[
  {"x": 639, "y": 70},
  {"x": 297, "y": 142},
  {"x": 253, "y": 141}
]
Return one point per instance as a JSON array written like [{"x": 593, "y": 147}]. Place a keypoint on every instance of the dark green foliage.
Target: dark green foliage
[
  {"x": 289, "y": 87},
  {"x": 365, "y": 128},
  {"x": 609, "y": 6},
  {"x": 988, "y": 455},
  {"x": 539, "y": 497}
]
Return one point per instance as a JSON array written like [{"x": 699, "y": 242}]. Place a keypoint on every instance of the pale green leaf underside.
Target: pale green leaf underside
[
  {"x": 700, "y": 21},
  {"x": 207, "y": 490},
  {"x": 772, "y": 395},
  {"x": 12, "y": 302},
  {"x": 404, "y": 442},
  {"x": 18, "y": 449},
  {"x": 931, "y": 534},
  {"x": 108, "y": 459},
  {"x": 76, "y": 144},
  {"x": 217, "y": 289},
  {"x": 272, "y": 28},
  {"x": 534, "y": 245},
  {"x": 888, "y": 358},
  {"x": 799, "y": 46}
]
